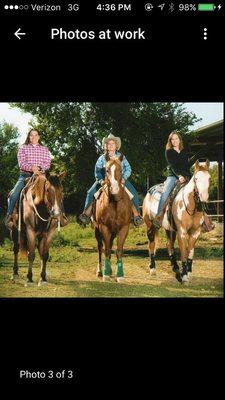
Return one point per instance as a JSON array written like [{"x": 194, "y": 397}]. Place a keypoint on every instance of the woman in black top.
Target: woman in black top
[{"x": 178, "y": 172}]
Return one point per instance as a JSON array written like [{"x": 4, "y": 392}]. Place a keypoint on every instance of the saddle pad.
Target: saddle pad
[{"x": 156, "y": 190}]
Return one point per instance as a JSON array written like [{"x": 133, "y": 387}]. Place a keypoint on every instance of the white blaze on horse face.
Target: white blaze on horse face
[
  {"x": 56, "y": 208},
  {"x": 202, "y": 182},
  {"x": 114, "y": 185}
]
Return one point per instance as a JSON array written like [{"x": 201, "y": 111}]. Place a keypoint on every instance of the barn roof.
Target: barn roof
[{"x": 209, "y": 138}]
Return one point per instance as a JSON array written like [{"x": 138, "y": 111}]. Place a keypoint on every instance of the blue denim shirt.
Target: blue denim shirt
[{"x": 100, "y": 168}]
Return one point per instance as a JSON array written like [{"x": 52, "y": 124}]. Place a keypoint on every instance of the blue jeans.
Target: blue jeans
[
  {"x": 96, "y": 186},
  {"x": 169, "y": 185},
  {"x": 15, "y": 194}
]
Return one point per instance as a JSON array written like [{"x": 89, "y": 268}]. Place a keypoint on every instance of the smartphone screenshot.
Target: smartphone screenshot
[{"x": 111, "y": 194}]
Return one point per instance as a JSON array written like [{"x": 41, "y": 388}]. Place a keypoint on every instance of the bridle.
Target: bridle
[
  {"x": 196, "y": 198},
  {"x": 49, "y": 220}
]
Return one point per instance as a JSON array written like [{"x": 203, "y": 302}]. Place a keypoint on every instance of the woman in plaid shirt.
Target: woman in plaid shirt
[{"x": 33, "y": 158}]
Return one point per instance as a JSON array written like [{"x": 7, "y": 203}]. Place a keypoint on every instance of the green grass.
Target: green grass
[{"x": 73, "y": 260}]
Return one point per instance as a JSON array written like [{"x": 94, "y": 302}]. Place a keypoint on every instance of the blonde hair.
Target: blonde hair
[{"x": 169, "y": 143}]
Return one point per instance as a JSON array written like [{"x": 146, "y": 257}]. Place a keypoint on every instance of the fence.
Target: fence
[{"x": 217, "y": 210}]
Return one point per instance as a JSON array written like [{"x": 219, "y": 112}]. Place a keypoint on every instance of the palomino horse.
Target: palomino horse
[
  {"x": 40, "y": 214},
  {"x": 112, "y": 218},
  {"x": 187, "y": 212}
]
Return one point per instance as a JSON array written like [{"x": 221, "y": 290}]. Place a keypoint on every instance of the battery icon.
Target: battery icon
[{"x": 206, "y": 7}]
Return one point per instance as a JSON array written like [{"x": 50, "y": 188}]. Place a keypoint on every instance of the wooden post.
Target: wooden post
[{"x": 219, "y": 190}]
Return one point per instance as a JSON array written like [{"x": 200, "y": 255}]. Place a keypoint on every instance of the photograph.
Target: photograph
[{"x": 111, "y": 199}]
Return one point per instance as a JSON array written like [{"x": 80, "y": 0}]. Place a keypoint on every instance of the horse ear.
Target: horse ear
[
  {"x": 207, "y": 163},
  {"x": 47, "y": 174},
  {"x": 62, "y": 175},
  {"x": 196, "y": 165},
  {"x": 107, "y": 156}
]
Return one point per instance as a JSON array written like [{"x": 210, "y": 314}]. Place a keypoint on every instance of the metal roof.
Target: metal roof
[{"x": 209, "y": 139}]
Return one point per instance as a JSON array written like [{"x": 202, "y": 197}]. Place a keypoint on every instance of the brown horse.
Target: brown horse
[
  {"x": 188, "y": 215},
  {"x": 40, "y": 214},
  {"x": 112, "y": 218}
]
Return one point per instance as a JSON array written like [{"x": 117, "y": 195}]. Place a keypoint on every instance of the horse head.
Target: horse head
[
  {"x": 202, "y": 178},
  {"x": 114, "y": 177},
  {"x": 47, "y": 189}
]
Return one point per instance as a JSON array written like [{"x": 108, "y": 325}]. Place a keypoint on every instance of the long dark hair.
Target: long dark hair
[{"x": 27, "y": 141}]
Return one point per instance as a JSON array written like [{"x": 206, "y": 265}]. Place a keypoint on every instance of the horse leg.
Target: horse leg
[
  {"x": 100, "y": 249},
  {"x": 151, "y": 233},
  {"x": 44, "y": 255},
  {"x": 111, "y": 245},
  {"x": 31, "y": 237},
  {"x": 171, "y": 237},
  {"x": 107, "y": 238},
  {"x": 119, "y": 253},
  {"x": 193, "y": 236},
  {"x": 181, "y": 235},
  {"x": 15, "y": 251}
]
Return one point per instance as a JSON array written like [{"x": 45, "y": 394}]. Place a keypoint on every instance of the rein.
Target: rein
[
  {"x": 196, "y": 199},
  {"x": 35, "y": 209}
]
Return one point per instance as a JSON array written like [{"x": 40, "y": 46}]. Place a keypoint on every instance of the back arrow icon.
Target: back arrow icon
[{"x": 18, "y": 33}]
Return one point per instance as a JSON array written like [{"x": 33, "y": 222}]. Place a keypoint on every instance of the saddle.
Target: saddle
[
  {"x": 157, "y": 190},
  {"x": 15, "y": 213}
]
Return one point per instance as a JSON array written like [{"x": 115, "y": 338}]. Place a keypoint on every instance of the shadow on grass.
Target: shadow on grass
[
  {"x": 161, "y": 253},
  {"x": 200, "y": 287}
]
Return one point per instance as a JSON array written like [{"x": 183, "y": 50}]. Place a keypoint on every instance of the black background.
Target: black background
[{"x": 160, "y": 345}]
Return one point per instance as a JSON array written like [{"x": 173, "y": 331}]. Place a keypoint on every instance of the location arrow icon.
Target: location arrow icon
[{"x": 18, "y": 33}]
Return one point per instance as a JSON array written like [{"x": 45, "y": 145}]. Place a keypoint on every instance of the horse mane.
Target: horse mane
[{"x": 38, "y": 188}]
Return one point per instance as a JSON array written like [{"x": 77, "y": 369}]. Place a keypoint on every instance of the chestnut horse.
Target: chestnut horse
[
  {"x": 112, "y": 219},
  {"x": 187, "y": 212},
  {"x": 40, "y": 214}
]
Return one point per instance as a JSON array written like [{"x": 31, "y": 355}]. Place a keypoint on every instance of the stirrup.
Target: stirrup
[
  {"x": 208, "y": 228},
  {"x": 9, "y": 221},
  {"x": 84, "y": 219},
  {"x": 156, "y": 223},
  {"x": 138, "y": 220}
]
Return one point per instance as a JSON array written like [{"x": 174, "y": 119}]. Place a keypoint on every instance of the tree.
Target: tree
[
  {"x": 73, "y": 132},
  {"x": 8, "y": 161}
]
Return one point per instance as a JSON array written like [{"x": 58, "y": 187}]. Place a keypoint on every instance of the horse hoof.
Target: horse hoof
[
  {"x": 184, "y": 278},
  {"x": 189, "y": 275},
  {"x": 14, "y": 277},
  {"x": 99, "y": 274},
  {"x": 120, "y": 279},
  {"x": 27, "y": 284},
  {"x": 106, "y": 278},
  {"x": 152, "y": 271},
  {"x": 42, "y": 283}
]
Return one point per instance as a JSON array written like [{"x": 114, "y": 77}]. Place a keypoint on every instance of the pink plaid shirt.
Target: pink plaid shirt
[{"x": 29, "y": 155}]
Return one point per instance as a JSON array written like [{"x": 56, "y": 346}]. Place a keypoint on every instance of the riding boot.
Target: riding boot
[
  {"x": 63, "y": 220},
  {"x": 85, "y": 218},
  {"x": 137, "y": 218},
  {"x": 207, "y": 225},
  {"x": 157, "y": 221},
  {"x": 9, "y": 221}
]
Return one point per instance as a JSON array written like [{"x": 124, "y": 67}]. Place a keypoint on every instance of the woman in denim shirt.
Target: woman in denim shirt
[{"x": 111, "y": 145}]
